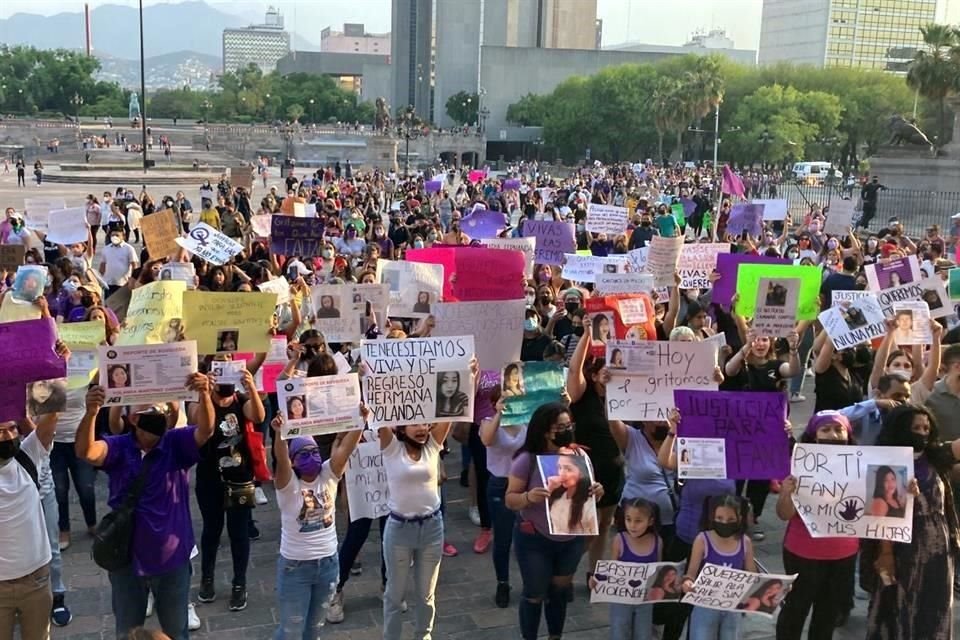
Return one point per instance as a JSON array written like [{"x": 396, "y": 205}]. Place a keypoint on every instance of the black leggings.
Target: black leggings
[
  {"x": 757, "y": 492},
  {"x": 820, "y": 584},
  {"x": 478, "y": 457},
  {"x": 676, "y": 614},
  {"x": 210, "y": 500},
  {"x": 357, "y": 532}
]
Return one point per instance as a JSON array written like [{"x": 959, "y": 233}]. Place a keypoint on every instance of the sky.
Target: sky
[{"x": 648, "y": 21}]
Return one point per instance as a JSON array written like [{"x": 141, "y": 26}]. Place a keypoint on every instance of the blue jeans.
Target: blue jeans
[
  {"x": 631, "y": 622},
  {"x": 502, "y": 519},
  {"x": 171, "y": 592},
  {"x": 49, "y": 502},
  {"x": 713, "y": 624},
  {"x": 542, "y": 559},
  {"x": 304, "y": 590},
  {"x": 806, "y": 344},
  {"x": 419, "y": 543},
  {"x": 65, "y": 464}
]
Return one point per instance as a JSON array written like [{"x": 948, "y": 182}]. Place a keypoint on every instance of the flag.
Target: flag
[{"x": 732, "y": 184}]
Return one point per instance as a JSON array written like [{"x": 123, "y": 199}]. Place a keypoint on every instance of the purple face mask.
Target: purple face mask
[{"x": 307, "y": 464}]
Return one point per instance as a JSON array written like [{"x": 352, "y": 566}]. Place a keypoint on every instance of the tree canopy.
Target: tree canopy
[{"x": 463, "y": 107}]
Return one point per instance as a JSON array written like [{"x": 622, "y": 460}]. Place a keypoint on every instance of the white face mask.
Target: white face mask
[{"x": 115, "y": 239}]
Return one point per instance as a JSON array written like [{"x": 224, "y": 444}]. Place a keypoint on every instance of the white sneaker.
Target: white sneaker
[
  {"x": 335, "y": 610},
  {"x": 149, "y": 604},
  {"x": 475, "y": 516},
  {"x": 259, "y": 496},
  {"x": 798, "y": 397},
  {"x": 193, "y": 620}
]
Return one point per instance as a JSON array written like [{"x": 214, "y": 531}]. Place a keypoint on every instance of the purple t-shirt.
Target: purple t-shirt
[
  {"x": 525, "y": 466},
  {"x": 483, "y": 408},
  {"x": 162, "y": 529}
]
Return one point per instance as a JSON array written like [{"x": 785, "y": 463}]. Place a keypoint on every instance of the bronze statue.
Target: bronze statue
[
  {"x": 905, "y": 132},
  {"x": 381, "y": 119}
]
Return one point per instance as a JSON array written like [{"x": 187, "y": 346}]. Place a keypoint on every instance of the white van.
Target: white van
[{"x": 811, "y": 172}]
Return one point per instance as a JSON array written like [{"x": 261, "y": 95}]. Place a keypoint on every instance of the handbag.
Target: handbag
[
  {"x": 111, "y": 538},
  {"x": 238, "y": 495}
]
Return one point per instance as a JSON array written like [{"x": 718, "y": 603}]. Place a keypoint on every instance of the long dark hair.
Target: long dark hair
[
  {"x": 662, "y": 575},
  {"x": 761, "y": 591},
  {"x": 737, "y": 503},
  {"x": 882, "y": 472},
  {"x": 620, "y": 517},
  {"x": 896, "y": 430},
  {"x": 541, "y": 421},
  {"x": 582, "y": 492}
]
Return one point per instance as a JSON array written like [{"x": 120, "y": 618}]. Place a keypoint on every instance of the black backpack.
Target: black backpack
[
  {"x": 27, "y": 463},
  {"x": 111, "y": 538}
]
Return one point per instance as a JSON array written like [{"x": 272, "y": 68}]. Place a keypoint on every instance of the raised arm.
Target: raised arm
[
  {"x": 785, "y": 507},
  {"x": 930, "y": 372},
  {"x": 203, "y": 413},
  {"x": 825, "y": 353},
  {"x": 253, "y": 407},
  {"x": 576, "y": 382},
  {"x": 673, "y": 307},
  {"x": 281, "y": 453},
  {"x": 343, "y": 448},
  {"x": 86, "y": 446},
  {"x": 880, "y": 357}
]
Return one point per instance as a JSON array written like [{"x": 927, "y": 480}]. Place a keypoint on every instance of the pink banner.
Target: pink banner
[
  {"x": 477, "y": 175},
  {"x": 476, "y": 273}
]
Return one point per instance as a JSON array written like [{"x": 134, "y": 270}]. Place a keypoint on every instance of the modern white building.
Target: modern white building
[
  {"x": 354, "y": 39},
  {"x": 261, "y": 44},
  {"x": 878, "y": 35}
]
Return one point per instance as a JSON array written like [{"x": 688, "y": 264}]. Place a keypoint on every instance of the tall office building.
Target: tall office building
[
  {"x": 865, "y": 34},
  {"x": 411, "y": 55},
  {"x": 261, "y": 44}
]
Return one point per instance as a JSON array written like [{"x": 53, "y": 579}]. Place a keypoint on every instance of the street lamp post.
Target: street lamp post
[
  {"x": 313, "y": 117},
  {"x": 765, "y": 139},
  {"x": 716, "y": 135},
  {"x": 143, "y": 92},
  {"x": 409, "y": 130}
]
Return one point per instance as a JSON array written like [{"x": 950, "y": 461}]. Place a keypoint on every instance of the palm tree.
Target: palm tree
[
  {"x": 935, "y": 68},
  {"x": 662, "y": 105},
  {"x": 706, "y": 86}
]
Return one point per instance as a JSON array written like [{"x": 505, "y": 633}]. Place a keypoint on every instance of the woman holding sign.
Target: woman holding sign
[{"x": 913, "y": 585}]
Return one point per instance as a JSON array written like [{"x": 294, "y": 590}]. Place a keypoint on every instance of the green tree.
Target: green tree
[
  {"x": 295, "y": 112},
  {"x": 463, "y": 107},
  {"x": 935, "y": 68},
  {"x": 529, "y": 111}
]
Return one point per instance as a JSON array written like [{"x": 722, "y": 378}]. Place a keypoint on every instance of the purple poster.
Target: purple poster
[
  {"x": 512, "y": 184},
  {"x": 746, "y": 217},
  {"x": 483, "y": 224},
  {"x": 432, "y": 186},
  {"x": 689, "y": 206},
  {"x": 13, "y": 401},
  {"x": 750, "y": 424},
  {"x": 727, "y": 265},
  {"x": 886, "y": 274},
  {"x": 554, "y": 238},
  {"x": 28, "y": 351},
  {"x": 292, "y": 236}
]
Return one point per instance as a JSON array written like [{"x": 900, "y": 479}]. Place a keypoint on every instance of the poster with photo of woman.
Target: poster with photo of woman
[{"x": 571, "y": 509}]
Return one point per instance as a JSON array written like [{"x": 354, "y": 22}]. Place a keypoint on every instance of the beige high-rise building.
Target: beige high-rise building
[{"x": 569, "y": 24}]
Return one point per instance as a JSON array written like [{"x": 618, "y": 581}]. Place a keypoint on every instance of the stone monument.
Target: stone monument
[
  {"x": 133, "y": 110},
  {"x": 911, "y": 161}
]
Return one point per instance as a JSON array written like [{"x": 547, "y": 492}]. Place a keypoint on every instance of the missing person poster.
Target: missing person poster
[
  {"x": 776, "y": 308},
  {"x": 147, "y": 374},
  {"x": 182, "y": 271},
  {"x": 414, "y": 286},
  {"x": 892, "y": 272},
  {"x": 930, "y": 290},
  {"x": 526, "y": 386},
  {"x": 852, "y": 322},
  {"x": 729, "y": 589},
  {"x": 571, "y": 510},
  {"x": 421, "y": 380},
  {"x": 853, "y": 491},
  {"x": 911, "y": 323},
  {"x": 319, "y": 405},
  {"x": 637, "y": 583}
]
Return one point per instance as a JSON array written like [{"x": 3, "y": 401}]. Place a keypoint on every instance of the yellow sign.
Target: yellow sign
[
  {"x": 11, "y": 311},
  {"x": 82, "y": 335},
  {"x": 228, "y": 322},
  {"x": 154, "y": 315}
]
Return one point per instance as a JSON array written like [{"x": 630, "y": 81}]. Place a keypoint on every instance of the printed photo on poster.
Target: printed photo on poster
[
  {"x": 776, "y": 309},
  {"x": 571, "y": 510},
  {"x": 47, "y": 396},
  {"x": 852, "y": 322},
  {"x": 889, "y": 495},
  {"x": 144, "y": 374},
  {"x": 912, "y": 323},
  {"x": 319, "y": 405},
  {"x": 727, "y": 589},
  {"x": 513, "y": 380},
  {"x": 701, "y": 458},
  {"x": 452, "y": 400},
  {"x": 528, "y": 385},
  {"x": 636, "y": 583},
  {"x": 894, "y": 272}
]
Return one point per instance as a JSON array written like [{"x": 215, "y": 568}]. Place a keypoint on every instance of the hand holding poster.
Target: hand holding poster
[
  {"x": 930, "y": 290},
  {"x": 160, "y": 233},
  {"x": 636, "y": 583},
  {"x": 890, "y": 273},
  {"x": 603, "y": 218},
  {"x": 554, "y": 238},
  {"x": 295, "y": 236},
  {"x": 209, "y": 244},
  {"x": 839, "y": 217},
  {"x": 319, "y": 405},
  {"x": 147, "y": 374},
  {"x": 497, "y": 334},
  {"x": 776, "y": 309},
  {"x": 912, "y": 320},
  {"x": 228, "y": 322},
  {"x": 729, "y": 589},
  {"x": 422, "y": 380},
  {"x": 526, "y": 386},
  {"x": 697, "y": 261},
  {"x": 750, "y": 424},
  {"x": 28, "y": 351},
  {"x": 67, "y": 226},
  {"x": 748, "y": 286},
  {"x": 568, "y": 477},
  {"x": 662, "y": 259},
  {"x": 366, "y": 481},
  {"x": 854, "y": 492},
  {"x": 853, "y": 322}
]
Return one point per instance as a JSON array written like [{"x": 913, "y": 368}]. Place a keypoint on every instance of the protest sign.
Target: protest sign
[
  {"x": 728, "y": 265},
  {"x": 228, "y": 371},
  {"x": 554, "y": 238},
  {"x": 497, "y": 333},
  {"x": 776, "y": 307},
  {"x": 748, "y": 285},
  {"x": 266, "y": 376},
  {"x": 319, "y": 405},
  {"x": 82, "y": 366},
  {"x": 572, "y": 472},
  {"x": 295, "y": 236},
  {"x": 526, "y": 386},
  {"x": 612, "y": 283},
  {"x": 366, "y": 481},
  {"x": 467, "y": 272},
  {"x": 183, "y": 272},
  {"x": 929, "y": 290},
  {"x": 414, "y": 286},
  {"x": 13, "y": 311},
  {"x": 842, "y": 295},
  {"x": 155, "y": 314},
  {"x": 854, "y": 491},
  {"x": 11, "y": 256},
  {"x": 608, "y": 324},
  {"x": 82, "y": 335},
  {"x": 577, "y": 268},
  {"x": 954, "y": 275},
  {"x": 418, "y": 380},
  {"x": 28, "y": 351},
  {"x": 697, "y": 261},
  {"x": 334, "y": 310},
  {"x": 839, "y": 217},
  {"x": 662, "y": 259},
  {"x": 228, "y": 322},
  {"x": 260, "y": 224},
  {"x": 67, "y": 226},
  {"x": 638, "y": 259},
  {"x": 637, "y": 583},
  {"x": 887, "y": 274},
  {"x": 912, "y": 318},
  {"x": 527, "y": 246},
  {"x": 483, "y": 223},
  {"x": 145, "y": 374},
  {"x": 36, "y": 212},
  {"x": 432, "y": 186},
  {"x": 160, "y": 233},
  {"x": 749, "y": 424},
  {"x": 739, "y": 591},
  {"x": 772, "y": 209},
  {"x": 604, "y": 218},
  {"x": 746, "y": 218},
  {"x": 278, "y": 286},
  {"x": 643, "y": 388},
  {"x": 853, "y": 322},
  {"x": 209, "y": 244}
]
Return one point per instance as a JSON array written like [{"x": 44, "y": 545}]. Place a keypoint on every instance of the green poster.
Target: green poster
[
  {"x": 526, "y": 386},
  {"x": 748, "y": 281},
  {"x": 954, "y": 284},
  {"x": 678, "y": 214}
]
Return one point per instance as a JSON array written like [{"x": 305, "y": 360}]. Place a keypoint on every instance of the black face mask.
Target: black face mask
[
  {"x": 660, "y": 432},
  {"x": 86, "y": 300},
  {"x": 225, "y": 390},
  {"x": 8, "y": 449},
  {"x": 545, "y": 300},
  {"x": 153, "y": 423},
  {"x": 918, "y": 441},
  {"x": 563, "y": 438},
  {"x": 644, "y": 223},
  {"x": 830, "y": 441},
  {"x": 726, "y": 529},
  {"x": 847, "y": 359},
  {"x": 578, "y": 331},
  {"x": 310, "y": 351},
  {"x": 571, "y": 306}
]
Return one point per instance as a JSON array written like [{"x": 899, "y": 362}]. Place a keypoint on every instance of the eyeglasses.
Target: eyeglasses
[{"x": 560, "y": 428}]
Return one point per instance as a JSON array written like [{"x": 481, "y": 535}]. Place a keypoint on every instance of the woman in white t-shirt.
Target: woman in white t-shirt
[{"x": 308, "y": 567}]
